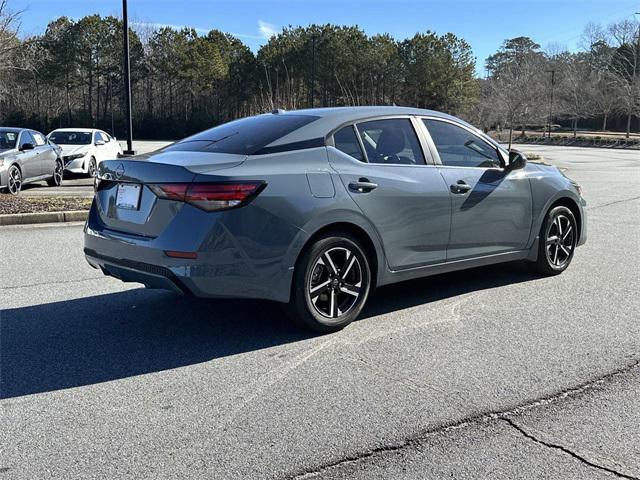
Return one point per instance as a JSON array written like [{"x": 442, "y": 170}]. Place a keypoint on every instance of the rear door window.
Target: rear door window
[
  {"x": 391, "y": 141},
  {"x": 249, "y": 136}
]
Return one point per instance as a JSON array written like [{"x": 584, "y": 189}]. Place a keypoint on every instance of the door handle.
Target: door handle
[
  {"x": 363, "y": 185},
  {"x": 461, "y": 187}
]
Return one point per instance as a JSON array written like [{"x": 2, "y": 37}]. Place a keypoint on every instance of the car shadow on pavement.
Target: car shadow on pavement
[
  {"x": 108, "y": 337},
  {"x": 398, "y": 296}
]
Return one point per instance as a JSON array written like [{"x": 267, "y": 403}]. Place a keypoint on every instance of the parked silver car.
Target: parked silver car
[
  {"x": 315, "y": 208},
  {"x": 26, "y": 156}
]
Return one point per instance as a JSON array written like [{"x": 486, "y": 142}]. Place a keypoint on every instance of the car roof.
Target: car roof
[
  {"x": 333, "y": 117},
  {"x": 81, "y": 130},
  {"x": 12, "y": 129}
]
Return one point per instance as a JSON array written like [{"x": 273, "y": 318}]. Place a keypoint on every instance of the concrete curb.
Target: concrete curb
[{"x": 43, "y": 217}]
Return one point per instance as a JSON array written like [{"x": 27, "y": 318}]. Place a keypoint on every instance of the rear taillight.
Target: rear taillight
[{"x": 210, "y": 196}]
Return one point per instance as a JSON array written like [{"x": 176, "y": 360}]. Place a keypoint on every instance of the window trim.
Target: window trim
[{"x": 436, "y": 154}]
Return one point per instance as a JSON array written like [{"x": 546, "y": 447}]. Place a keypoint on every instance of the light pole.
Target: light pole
[{"x": 127, "y": 80}]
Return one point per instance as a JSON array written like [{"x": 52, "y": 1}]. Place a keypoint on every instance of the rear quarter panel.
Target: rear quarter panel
[{"x": 272, "y": 231}]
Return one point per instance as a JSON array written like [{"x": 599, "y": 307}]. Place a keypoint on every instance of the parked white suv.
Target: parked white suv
[{"x": 84, "y": 148}]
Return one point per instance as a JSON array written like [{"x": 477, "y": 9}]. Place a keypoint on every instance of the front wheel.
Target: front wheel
[
  {"x": 332, "y": 280},
  {"x": 92, "y": 170},
  {"x": 56, "y": 178},
  {"x": 14, "y": 180},
  {"x": 558, "y": 239}
]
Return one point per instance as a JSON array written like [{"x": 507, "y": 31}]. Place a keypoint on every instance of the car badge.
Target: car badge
[{"x": 120, "y": 171}]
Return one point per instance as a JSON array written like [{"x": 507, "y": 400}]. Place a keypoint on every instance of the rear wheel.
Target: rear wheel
[
  {"x": 331, "y": 283},
  {"x": 558, "y": 239},
  {"x": 56, "y": 178}
]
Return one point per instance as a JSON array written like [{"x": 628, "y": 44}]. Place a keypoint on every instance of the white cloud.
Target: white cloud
[{"x": 267, "y": 30}]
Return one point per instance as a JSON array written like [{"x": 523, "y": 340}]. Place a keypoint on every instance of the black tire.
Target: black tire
[
  {"x": 326, "y": 281},
  {"x": 93, "y": 167},
  {"x": 14, "y": 180},
  {"x": 58, "y": 173},
  {"x": 557, "y": 244}
]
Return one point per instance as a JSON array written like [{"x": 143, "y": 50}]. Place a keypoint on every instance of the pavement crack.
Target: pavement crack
[
  {"x": 58, "y": 282},
  {"x": 556, "y": 446},
  {"x": 420, "y": 437},
  {"x": 624, "y": 200}
]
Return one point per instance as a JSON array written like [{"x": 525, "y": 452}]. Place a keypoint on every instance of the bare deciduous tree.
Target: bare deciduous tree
[
  {"x": 625, "y": 64},
  {"x": 9, "y": 24}
]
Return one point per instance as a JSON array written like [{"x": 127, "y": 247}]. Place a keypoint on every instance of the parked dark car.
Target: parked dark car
[
  {"x": 315, "y": 208},
  {"x": 27, "y": 156}
]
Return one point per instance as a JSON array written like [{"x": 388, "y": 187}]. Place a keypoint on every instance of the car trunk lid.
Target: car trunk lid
[{"x": 150, "y": 215}]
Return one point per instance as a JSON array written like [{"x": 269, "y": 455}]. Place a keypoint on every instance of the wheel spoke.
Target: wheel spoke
[
  {"x": 319, "y": 289},
  {"x": 567, "y": 252},
  {"x": 566, "y": 233},
  {"x": 330, "y": 262},
  {"x": 332, "y": 304},
  {"x": 552, "y": 239},
  {"x": 348, "y": 269},
  {"x": 555, "y": 255},
  {"x": 351, "y": 290}
]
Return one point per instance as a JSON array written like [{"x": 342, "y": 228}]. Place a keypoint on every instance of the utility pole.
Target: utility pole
[
  {"x": 127, "y": 80},
  {"x": 553, "y": 82}
]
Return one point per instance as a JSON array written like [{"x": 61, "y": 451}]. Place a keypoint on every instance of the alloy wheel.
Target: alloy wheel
[
  {"x": 560, "y": 241},
  {"x": 335, "y": 282},
  {"x": 58, "y": 173},
  {"x": 15, "y": 180},
  {"x": 92, "y": 167}
]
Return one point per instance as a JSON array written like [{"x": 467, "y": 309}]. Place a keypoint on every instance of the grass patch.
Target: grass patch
[{"x": 22, "y": 204}]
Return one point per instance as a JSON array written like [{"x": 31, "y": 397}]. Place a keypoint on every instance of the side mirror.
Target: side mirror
[
  {"x": 26, "y": 146},
  {"x": 99, "y": 143},
  {"x": 517, "y": 160}
]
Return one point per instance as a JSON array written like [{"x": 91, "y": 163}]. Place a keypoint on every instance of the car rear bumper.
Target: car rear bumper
[
  {"x": 228, "y": 264},
  {"x": 126, "y": 270}
]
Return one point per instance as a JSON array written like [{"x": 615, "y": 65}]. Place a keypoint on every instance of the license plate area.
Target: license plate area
[{"x": 128, "y": 196}]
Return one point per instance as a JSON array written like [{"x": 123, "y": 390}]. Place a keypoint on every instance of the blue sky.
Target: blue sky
[{"x": 483, "y": 23}]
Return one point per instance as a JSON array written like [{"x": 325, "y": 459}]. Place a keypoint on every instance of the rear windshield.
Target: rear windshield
[{"x": 246, "y": 136}]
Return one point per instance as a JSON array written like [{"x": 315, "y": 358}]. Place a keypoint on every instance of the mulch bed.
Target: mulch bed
[{"x": 21, "y": 204}]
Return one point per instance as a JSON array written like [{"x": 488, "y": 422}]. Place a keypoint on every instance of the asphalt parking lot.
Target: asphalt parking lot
[{"x": 489, "y": 373}]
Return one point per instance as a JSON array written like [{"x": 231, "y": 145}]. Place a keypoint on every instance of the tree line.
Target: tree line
[
  {"x": 598, "y": 86},
  {"x": 184, "y": 82}
]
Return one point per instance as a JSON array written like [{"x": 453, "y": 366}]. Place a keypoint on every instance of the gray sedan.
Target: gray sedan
[
  {"x": 315, "y": 208},
  {"x": 27, "y": 156}
]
